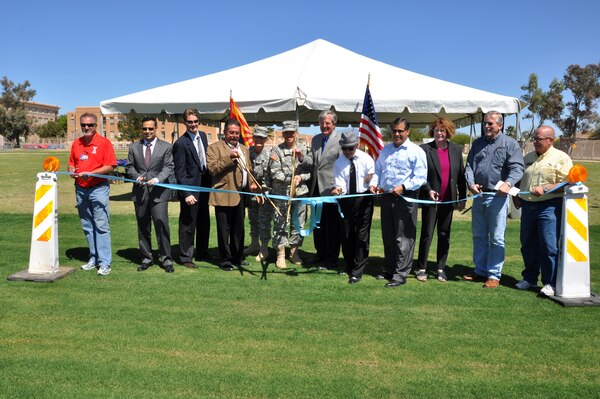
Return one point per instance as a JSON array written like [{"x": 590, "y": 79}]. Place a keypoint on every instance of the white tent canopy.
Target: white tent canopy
[{"x": 308, "y": 79}]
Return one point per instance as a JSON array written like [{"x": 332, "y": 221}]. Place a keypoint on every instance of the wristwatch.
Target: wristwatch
[
  {"x": 545, "y": 188},
  {"x": 509, "y": 184}
]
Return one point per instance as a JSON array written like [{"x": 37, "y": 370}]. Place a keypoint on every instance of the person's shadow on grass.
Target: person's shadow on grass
[{"x": 80, "y": 254}]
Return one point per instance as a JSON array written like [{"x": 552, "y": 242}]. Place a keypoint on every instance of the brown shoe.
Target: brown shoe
[
  {"x": 491, "y": 283},
  {"x": 474, "y": 277},
  {"x": 190, "y": 265}
]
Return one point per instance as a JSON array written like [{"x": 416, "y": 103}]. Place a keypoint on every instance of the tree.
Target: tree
[
  {"x": 542, "y": 105},
  {"x": 62, "y": 122},
  {"x": 461, "y": 139},
  {"x": 534, "y": 97},
  {"x": 131, "y": 127},
  {"x": 14, "y": 122},
  {"x": 51, "y": 129},
  {"x": 511, "y": 131},
  {"x": 584, "y": 84}
]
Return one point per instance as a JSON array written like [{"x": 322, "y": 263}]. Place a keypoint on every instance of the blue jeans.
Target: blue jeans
[
  {"x": 92, "y": 205},
  {"x": 540, "y": 231},
  {"x": 489, "y": 225}
]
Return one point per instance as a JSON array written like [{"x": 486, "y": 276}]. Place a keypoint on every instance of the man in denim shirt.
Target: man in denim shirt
[{"x": 493, "y": 158}]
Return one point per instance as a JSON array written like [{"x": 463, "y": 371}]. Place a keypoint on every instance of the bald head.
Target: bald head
[
  {"x": 545, "y": 131},
  {"x": 543, "y": 139}
]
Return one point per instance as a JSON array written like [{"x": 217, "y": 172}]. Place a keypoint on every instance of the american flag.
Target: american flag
[
  {"x": 369, "y": 132},
  {"x": 236, "y": 113}
]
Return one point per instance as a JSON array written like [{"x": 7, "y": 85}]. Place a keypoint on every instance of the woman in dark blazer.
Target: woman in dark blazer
[{"x": 445, "y": 182}]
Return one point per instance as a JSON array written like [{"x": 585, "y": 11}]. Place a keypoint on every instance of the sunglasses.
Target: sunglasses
[
  {"x": 194, "y": 122},
  {"x": 148, "y": 129},
  {"x": 538, "y": 139},
  {"x": 347, "y": 148},
  {"x": 88, "y": 124},
  {"x": 398, "y": 131}
]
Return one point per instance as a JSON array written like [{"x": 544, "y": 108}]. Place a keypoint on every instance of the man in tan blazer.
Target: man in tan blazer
[{"x": 229, "y": 165}]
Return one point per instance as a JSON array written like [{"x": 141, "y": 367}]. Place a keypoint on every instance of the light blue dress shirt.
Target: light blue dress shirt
[{"x": 405, "y": 164}]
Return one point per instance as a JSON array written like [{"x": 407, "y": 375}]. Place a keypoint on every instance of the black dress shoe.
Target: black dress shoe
[
  {"x": 353, "y": 280},
  {"x": 169, "y": 268},
  {"x": 314, "y": 260},
  {"x": 395, "y": 283},
  {"x": 190, "y": 265},
  {"x": 226, "y": 267},
  {"x": 143, "y": 266}
]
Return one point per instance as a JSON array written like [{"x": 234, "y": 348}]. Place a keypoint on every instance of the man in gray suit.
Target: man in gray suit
[
  {"x": 150, "y": 161},
  {"x": 325, "y": 150}
]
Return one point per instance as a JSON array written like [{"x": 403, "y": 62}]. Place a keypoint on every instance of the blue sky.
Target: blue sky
[{"x": 76, "y": 56}]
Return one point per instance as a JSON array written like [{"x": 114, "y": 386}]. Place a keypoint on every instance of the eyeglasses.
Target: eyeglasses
[
  {"x": 488, "y": 123},
  {"x": 88, "y": 124},
  {"x": 194, "y": 122},
  {"x": 436, "y": 130},
  {"x": 399, "y": 131},
  {"x": 148, "y": 129},
  {"x": 538, "y": 139},
  {"x": 348, "y": 149}
]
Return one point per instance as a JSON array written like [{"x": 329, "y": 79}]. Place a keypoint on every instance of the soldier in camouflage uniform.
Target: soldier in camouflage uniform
[
  {"x": 259, "y": 214},
  {"x": 283, "y": 159}
]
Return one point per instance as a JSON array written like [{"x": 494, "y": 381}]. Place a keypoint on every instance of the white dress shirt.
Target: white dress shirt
[{"x": 363, "y": 164}]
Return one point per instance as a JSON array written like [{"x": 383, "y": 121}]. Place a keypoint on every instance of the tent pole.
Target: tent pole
[{"x": 471, "y": 131}]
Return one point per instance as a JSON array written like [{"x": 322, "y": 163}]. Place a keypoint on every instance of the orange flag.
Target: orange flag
[{"x": 235, "y": 113}]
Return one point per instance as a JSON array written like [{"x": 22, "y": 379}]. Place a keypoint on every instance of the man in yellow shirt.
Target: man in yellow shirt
[{"x": 545, "y": 169}]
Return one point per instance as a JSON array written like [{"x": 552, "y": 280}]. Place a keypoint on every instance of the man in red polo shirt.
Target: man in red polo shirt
[{"x": 93, "y": 154}]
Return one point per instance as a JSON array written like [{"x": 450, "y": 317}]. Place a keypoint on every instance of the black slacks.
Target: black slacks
[
  {"x": 230, "y": 233},
  {"x": 398, "y": 230},
  {"x": 358, "y": 213},
  {"x": 440, "y": 215}
]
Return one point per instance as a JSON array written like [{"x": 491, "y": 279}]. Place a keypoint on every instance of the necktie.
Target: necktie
[
  {"x": 148, "y": 154},
  {"x": 324, "y": 143},
  {"x": 200, "y": 149},
  {"x": 352, "y": 188}
]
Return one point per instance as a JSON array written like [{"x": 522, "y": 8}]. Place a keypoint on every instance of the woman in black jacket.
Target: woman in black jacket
[{"x": 445, "y": 182}]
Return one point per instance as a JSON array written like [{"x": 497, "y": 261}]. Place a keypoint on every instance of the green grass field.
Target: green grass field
[{"x": 298, "y": 333}]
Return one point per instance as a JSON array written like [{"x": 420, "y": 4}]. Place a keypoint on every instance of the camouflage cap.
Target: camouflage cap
[
  {"x": 260, "y": 131},
  {"x": 289, "y": 126}
]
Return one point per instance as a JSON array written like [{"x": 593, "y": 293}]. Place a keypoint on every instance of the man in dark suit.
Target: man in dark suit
[
  {"x": 189, "y": 154},
  {"x": 230, "y": 165},
  {"x": 325, "y": 150},
  {"x": 150, "y": 161},
  {"x": 445, "y": 182}
]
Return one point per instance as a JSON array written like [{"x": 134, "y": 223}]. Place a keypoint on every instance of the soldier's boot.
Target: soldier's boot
[
  {"x": 294, "y": 256},
  {"x": 253, "y": 248},
  {"x": 280, "y": 263},
  {"x": 263, "y": 253}
]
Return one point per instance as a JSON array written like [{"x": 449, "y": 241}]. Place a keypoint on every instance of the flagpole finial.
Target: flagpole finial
[{"x": 369, "y": 80}]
